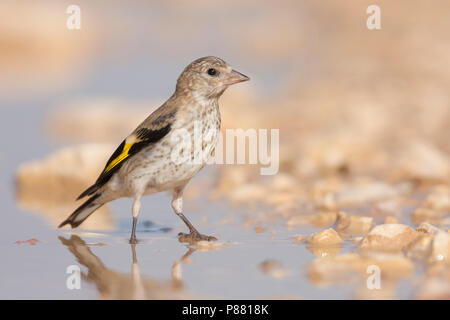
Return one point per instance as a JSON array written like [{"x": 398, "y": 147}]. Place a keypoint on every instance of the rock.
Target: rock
[
  {"x": 388, "y": 237},
  {"x": 259, "y": 229},
  {"x": 388, "y": 207},
  {"x": 424, "y": 162},
  {"x": 420, "y": 248},
  {"x": 327, "y": 202},
  {"x": 317, "y": 220},
  {"x": 63, "y": 175},
  {"x": 283, "y": 182},
  {"x": 56, "y": 212},
  {"x": 428, "y": 228},
  {"x": 349, "y": 226},
  {"x": 428, "y": 215},
  {"x": 432, "y": 243},
  {"x": 439, "y": 199},
  {"x": 328, "y": 237},
  {"x": 323, "y": 219},
  {"x": 50, "y": 186},
  {"x": 435, "y": 209},
  {"x": 356, "y": 239},
  {"x": 440, "y": 249},
  {"x": 368, "y": 192},
  {"x": 391, "y": 220}
]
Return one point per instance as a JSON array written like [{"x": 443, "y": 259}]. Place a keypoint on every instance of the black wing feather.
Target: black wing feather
[{"x": 146, "y": 137}]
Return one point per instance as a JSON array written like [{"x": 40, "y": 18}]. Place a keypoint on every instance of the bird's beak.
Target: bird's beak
[{"x": 235, "y": 77}]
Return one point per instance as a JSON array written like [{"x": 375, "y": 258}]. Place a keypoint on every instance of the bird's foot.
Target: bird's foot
[
  {"x": 133, "y": 240},
  {"x": 194, "y": 236}
]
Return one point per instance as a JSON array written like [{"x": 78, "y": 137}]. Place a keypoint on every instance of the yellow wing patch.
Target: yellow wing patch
[{"x": 124, "y": 154}]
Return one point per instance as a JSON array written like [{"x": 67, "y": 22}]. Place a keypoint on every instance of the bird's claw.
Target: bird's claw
[
  {"x": 133, "y": 240},
  {"x": 194, "y": 237}
]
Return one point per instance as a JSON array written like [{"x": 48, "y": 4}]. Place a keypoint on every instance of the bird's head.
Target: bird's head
[{"x": 207, "y": 78}]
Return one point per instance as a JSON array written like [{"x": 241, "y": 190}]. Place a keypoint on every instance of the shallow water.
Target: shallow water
[{"x": 230, "y": 272}]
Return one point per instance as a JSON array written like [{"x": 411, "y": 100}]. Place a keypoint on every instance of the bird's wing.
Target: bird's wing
[{"x": 153, "y": 129}]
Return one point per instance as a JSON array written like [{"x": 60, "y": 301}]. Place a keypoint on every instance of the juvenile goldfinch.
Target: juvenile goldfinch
[{"x": 144, "y": 162}]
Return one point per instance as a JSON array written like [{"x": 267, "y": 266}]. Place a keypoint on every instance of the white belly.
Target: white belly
[
  {"x": 172, "y": 161},
  {"x": 163, "y": 166}
]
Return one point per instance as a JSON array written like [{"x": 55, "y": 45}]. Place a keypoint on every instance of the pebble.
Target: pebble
[
  {"x": 63, "y": 175},
  {"x": 428, "y": 215},
  {"x": 349, "y": 226},
  {"x": 317, "y": 220},
  {"x": 425, "y": 162},
  {"x": 391, "y": 220},
  {"x": 440, "y": 249},
  {"x": 259, "y": 229},
  {"x": 439, "y": 199},
  {"x": 50, "y": 186},
  {"x": 368, "y": 192},
  {"x": 388, "y": 237},
  {"x": 427, "y": 228},
  {"x": 420, "y": 248},
  {"x": 325, "y": 237}
]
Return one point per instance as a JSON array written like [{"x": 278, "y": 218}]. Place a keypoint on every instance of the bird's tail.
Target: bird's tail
[{"x": 83, "y": 211}]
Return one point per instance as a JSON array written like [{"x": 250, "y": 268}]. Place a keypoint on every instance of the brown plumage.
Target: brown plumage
[{"x": 144, "y": 162}]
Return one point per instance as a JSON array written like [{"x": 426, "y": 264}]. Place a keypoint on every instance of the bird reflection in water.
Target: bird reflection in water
[{"x": 116, "y": 285}]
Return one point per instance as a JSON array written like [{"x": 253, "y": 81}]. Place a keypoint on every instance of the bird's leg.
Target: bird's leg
[
  {"x": 135, "y": 210},
  {"x": 194, "y": 235}
]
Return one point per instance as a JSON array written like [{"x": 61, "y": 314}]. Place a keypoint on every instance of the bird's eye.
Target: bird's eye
[{"x": 212, "y": 71}]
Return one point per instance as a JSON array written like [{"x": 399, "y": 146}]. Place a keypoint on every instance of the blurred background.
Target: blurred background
[{"x": 364, "y": 119}]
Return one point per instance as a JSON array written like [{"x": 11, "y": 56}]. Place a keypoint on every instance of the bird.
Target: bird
[{"x": 155, "y": 157}]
